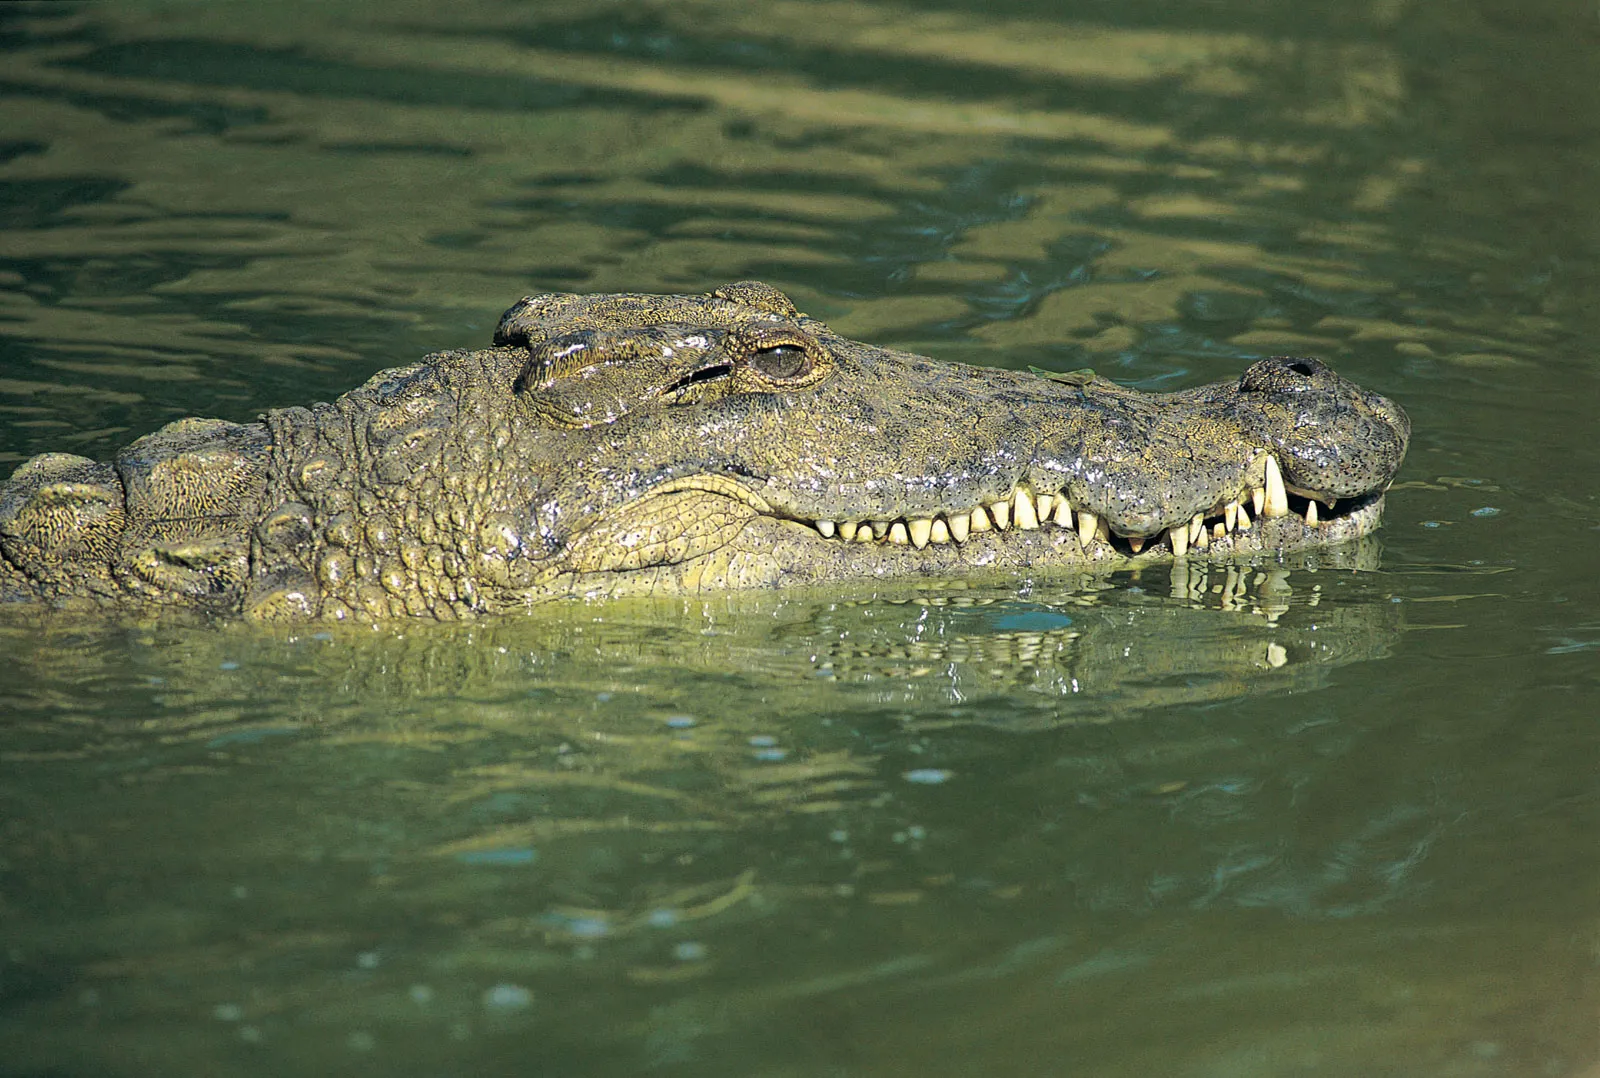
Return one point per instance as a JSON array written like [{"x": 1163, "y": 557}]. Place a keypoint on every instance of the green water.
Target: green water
[{"x": 1327, "y": 818}]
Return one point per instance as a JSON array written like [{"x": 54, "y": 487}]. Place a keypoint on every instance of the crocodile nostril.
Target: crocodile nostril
[{"x": 1302, "y": 367}]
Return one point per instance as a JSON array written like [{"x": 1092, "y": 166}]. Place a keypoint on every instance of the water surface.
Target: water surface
[{"x": 1331, "y": 817}]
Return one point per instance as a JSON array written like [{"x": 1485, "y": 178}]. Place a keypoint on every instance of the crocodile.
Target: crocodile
[{"x": 669, "y": 445}]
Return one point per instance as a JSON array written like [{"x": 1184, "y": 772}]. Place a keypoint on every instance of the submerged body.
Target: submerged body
[{"x": 623, "y": 444}]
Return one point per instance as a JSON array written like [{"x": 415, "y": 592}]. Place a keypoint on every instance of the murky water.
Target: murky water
[{"x": 1324, "y": 819}]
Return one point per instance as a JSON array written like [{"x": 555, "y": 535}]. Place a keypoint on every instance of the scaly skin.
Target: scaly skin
[{"x": 629, "y": 444}]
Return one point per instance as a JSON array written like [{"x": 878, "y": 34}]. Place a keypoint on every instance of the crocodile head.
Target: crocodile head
[
  {"x": 724, "y": 440},
  {"x": 620, "y": 444}
]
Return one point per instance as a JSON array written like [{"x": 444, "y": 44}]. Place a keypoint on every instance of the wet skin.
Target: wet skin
[{"x": 619, "y": 444}]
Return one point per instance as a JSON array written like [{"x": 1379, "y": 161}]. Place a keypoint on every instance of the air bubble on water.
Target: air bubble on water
[
  {"x": 583, "y": 927},
  {"x": 507, "y": 997},
  {"x": 689, "y": 951},
  {"x": 927, "y": 776}
]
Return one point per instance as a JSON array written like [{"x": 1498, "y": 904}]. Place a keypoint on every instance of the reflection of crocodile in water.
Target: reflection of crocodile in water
[{"x": 672, "y": 444}]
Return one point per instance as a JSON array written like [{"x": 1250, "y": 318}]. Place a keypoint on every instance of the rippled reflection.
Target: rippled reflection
[{"x": 1207, "y": 821}]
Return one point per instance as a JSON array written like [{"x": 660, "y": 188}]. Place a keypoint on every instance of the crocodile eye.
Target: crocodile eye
[{"x": 781, "y": 362}]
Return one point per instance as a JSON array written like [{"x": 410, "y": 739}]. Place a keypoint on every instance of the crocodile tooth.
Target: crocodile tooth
[
  {"x": 847, "y": 530},
  {"x": 1230, "y": 516},
  {"x": 980, "y": 520},
  {"x": 1001, "y": 512},
  {"x": 1258, "y": 498},
  {"x": 1102, "y": 530},
  {"x": 864, "y": 534},
  {"x": 960, "y": 527},
  {"x": 1311, "y": 511},
  {"x": 1199, "y": 538},
  {"x": 826, "y": 528},
  {"x": 880, "y": 528},
  {"x": 1022, "y": 510},
  {"x": 1044, "y": 503},
  {"x": 940, "y": 532},
  {"x": 1087, "y": 523},
  {"x": 1219, "y": 530},
  {"x": 1196, "y": 524},
  {"x": 1063, "y": 513},
  {"x": 1277, "y": 499},
  {"x": 921, "y": 530},
  {"x": 1136, "y": 543},
  {"x": 1178, "y": 534},
  {"x": 1244, "y": 519},
  {"x": 897, "y": 533}
]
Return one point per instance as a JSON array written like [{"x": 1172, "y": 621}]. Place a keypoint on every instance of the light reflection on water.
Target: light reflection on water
[{"x": 1258, "y": 822}]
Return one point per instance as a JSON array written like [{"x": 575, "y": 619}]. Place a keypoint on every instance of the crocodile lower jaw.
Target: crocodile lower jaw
[{"x": 1049, "y": 543}]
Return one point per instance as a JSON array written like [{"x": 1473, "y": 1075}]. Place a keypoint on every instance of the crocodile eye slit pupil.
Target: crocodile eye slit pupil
[{"x": 781, "y": 361}]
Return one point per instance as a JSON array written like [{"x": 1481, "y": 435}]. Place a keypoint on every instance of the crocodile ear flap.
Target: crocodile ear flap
[{"x": 757, "y": 294}]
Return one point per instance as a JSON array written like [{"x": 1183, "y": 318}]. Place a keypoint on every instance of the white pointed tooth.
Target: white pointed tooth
[
  {"x": 1102, "y": 530},
  {"x": 1063, "y": 513},
  {"x": 880, "y": 528},
  {"x": 897, "y": 534},
  {"x": 940, "y": 532},
  {"x": 1277, "y": 499},
  {"x": 1199, "y": 538},
  {"x": 1244, "y": 519},
  {"x": 1001, "y": 512},
  {"x": 1258, "y": 499},
  {"x": 1197, "y": 523},
  {"x": 1136, "y": 543},
  {"x": 1311, "y": 511},
  {"x": 847, "y": 530},
  {"x": 1178, "y": 534},
  {"x": 980, "y": 520},
  {"x": 1087, "y": 524},
  {"x": 1230, "y": 516},
  {"x": 960, "y": 527},
  {"x": 1219, "y": 530},
  {"x": 1043, "y": 504},
  {"x": 1023, "y": 511},
  {"x": 826, "y": 528},
  {"x": 921, "y": 531}
]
